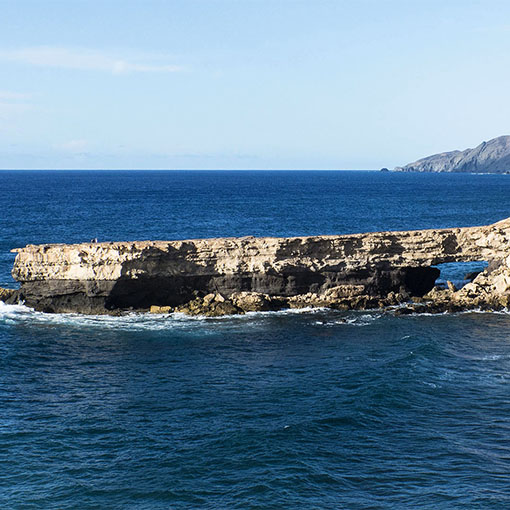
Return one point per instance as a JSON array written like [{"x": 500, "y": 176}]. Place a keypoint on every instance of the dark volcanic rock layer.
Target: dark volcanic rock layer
[{"x": 240, "y": 274}]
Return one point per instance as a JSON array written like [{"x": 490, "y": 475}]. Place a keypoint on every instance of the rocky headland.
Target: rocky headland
[
  {"x": 489, "y": 157},
  {"x": 236, "y": 275}
]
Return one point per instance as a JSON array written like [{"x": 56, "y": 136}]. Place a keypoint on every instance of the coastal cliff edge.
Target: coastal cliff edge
[{"x": 236, "y": 275}]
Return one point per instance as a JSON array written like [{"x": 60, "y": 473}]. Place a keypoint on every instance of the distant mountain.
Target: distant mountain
[{"x": 492, "y": 157}]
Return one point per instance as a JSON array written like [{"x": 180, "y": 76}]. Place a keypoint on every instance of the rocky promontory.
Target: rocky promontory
[
  {"x": 236, "y": 275},
  {"x": 489, "y": 157}
]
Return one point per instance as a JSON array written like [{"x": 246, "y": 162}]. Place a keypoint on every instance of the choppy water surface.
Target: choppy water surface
[{"x": 309, "y": 409}]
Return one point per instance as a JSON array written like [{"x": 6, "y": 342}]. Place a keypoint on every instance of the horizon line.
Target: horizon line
[{"x": 189, "y": 170}]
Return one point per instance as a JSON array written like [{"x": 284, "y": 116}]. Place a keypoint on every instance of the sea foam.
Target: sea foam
[{"x": 21, "y": 314}]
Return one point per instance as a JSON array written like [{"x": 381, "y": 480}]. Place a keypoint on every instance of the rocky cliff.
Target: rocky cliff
[
  {"x": 489, "y": 157},
  {"x": 232, "y": 275}
]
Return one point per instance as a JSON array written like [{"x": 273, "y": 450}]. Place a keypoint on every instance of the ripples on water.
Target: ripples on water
[
  {"x": 299, "y": 410},
  {"x": 310, "y": 409}
]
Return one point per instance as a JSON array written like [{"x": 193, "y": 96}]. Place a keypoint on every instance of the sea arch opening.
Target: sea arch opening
[{"x": 459, "y": 273}]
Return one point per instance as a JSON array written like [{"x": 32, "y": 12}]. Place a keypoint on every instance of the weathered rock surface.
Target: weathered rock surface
[
  {"x": 489, "y": 157},
  {"x": 238, "y": 275},
  {"x": 8, "y": 295}
]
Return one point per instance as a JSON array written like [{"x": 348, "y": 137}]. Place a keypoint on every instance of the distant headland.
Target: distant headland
[{"x": 492, "y": 157}]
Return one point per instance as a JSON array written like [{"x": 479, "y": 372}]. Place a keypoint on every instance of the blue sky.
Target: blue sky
[{"x": 248, "y": 84}]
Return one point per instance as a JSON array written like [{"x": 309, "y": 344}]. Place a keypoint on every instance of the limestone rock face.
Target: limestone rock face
[
  {"x": 8, "y": 295},
  {"x": 489, "y": 157},
  {"x": 350, "y": 271},
  {"x": 255, "y": 302}
]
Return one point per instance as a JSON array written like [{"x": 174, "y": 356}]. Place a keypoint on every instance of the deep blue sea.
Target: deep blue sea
[{"x": 275, "y": 410}]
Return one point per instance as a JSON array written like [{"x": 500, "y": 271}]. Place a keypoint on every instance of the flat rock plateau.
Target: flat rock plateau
[
  {"x": 236, "y": 275},
  {"x": 489, "y": 157}
]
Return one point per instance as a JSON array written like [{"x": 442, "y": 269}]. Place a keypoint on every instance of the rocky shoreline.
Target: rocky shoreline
[{"x": 214, "y": 277}]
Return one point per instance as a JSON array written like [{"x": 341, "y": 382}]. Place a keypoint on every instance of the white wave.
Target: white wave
[
  {"x": 363, "y": 319},
  {"x": 24, "y": 315},
  {"x": 494, "y": 357},
  {"x": 137, "y": 321},
  {"x": 353, "y": 319},
  {"x": 505, "y": 311},
  {"x": 21, "y": 314}
]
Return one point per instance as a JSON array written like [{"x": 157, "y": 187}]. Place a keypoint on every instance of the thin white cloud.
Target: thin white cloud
[
  {"x": 73, "y": 145},
  {"x": 12, "y": 104},
  {"x": 8, "y": 109},
  {"x": 7, "y": 95},
  {"x": 85, "y": 60}
]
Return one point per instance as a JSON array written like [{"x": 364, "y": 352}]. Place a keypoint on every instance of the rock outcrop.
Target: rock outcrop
[
  {"x": 489, "y": 157},
  {"x": 9, "y": 296},
  {"x": 237, "y": 275}
]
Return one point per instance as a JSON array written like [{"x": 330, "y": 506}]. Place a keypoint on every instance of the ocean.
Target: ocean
[{"x": 308, "y": 409}]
